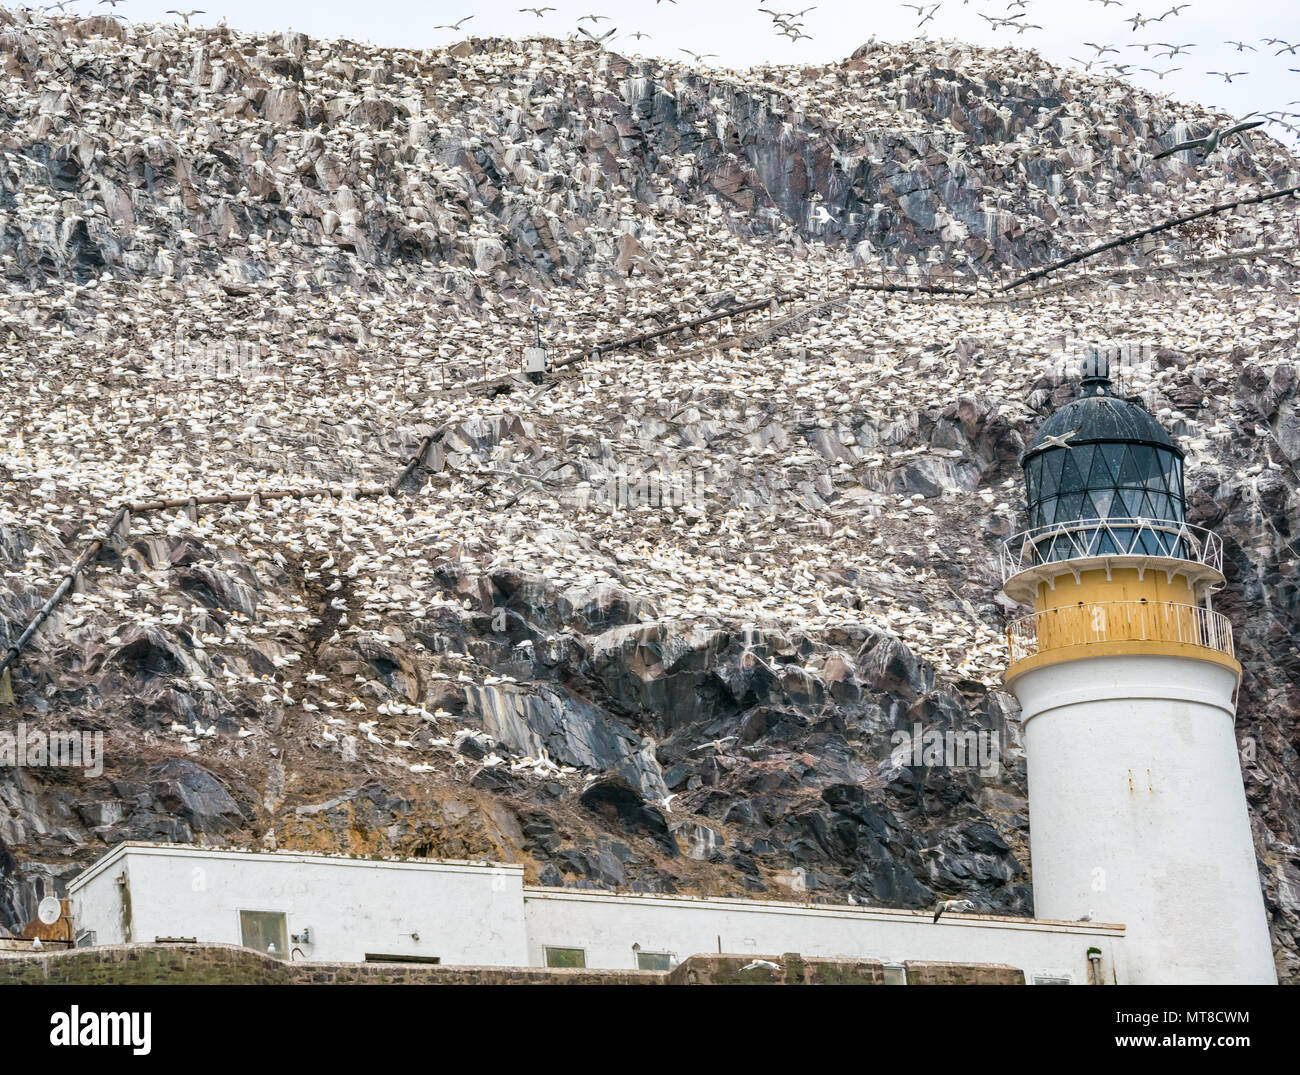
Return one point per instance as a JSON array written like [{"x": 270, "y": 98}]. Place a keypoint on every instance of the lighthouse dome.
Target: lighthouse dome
[
  {"x": 1104, "y": 417},
  {"x": 1101, "y": 457}
]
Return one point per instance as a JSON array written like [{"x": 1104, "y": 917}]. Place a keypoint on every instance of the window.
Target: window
[
  {"x": 566, "y": 957},
  {"x": 1043, "y": 979},
  {"x": 654, "y": 961},
  {"x": 86, "y": 938},
  {"x": 895, "y": 974},
  {"x": 266, "y": 931},
  {"x": 1117, "y": 479}
]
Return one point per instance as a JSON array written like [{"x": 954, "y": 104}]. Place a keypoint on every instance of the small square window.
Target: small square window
[
  {"x": 895, "y": 974},
  {"x": 566, "y": 957},
  {"x": 654, "y": 961},
  {"x": 265, "y": 931}
]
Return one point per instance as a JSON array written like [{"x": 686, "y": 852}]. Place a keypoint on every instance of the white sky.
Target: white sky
[{"x": 741, "y": 35}]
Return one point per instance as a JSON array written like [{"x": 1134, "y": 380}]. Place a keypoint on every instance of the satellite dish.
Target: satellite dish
[{"x": 50, "y": 910}]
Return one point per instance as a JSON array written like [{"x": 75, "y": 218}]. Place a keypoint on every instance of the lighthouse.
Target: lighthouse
[{"x": 1127, "y": 683}]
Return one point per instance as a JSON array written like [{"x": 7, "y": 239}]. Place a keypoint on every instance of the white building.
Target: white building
[
  {"x": 320, "y": 907},
  {"x": 342, "y": 909},
  {"x": 615, "y": 930}
]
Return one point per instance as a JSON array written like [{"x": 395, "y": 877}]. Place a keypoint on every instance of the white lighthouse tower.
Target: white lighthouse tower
[{"x": 1127, "y": 682}]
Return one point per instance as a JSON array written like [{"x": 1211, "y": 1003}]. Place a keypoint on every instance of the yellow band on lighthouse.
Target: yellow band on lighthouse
[{"x": 1118, "y": 611}]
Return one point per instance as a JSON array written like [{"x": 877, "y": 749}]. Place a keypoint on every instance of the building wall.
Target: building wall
[
  {"x": 463, "y": 913},
  {"x": 607, "y": 925},
  {"x": 99, "y": 903},
  {"x": 1139, "y": 814},
  {"x": 478, "y": 914}
]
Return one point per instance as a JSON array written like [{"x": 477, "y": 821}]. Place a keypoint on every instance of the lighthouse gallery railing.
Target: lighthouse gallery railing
[
  {"x": 1084, "y": 538},
  {"x": 1118, "y": 621}
]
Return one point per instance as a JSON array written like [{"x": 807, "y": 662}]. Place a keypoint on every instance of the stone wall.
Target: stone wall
[
  {"x": 923, "y": 972},
  {"x": 226, "y": 964},
  {"x": 229, "y": 964},
  {"x": 794, "y": 969},
  {"x": 789, "y": 969}
]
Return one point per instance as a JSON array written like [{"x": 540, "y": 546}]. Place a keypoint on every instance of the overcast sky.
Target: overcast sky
[{"x": 742, "y": 35}]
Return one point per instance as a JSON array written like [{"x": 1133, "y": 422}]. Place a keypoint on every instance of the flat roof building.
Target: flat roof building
[{"x": 301, "y": 906}]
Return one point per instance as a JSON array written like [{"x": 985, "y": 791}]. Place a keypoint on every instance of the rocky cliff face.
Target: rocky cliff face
[
  {"x": 156, "y": 151},
  {"x": 658, "y": 622}
]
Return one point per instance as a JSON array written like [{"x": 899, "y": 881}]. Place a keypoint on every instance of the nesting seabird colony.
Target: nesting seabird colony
[{"x": 235, "y": 262}]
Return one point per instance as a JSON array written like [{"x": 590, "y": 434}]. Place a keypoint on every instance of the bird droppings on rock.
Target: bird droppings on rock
[{"x": 653, "y": 622}]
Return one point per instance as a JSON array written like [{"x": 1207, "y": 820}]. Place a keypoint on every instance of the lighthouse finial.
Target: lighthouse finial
[{"x": 1095, "y": 372}]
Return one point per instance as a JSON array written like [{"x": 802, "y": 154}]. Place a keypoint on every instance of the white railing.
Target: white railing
[
  {"x": 1082, "y": 538},
  {"x": 1118, "y": 621}
]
